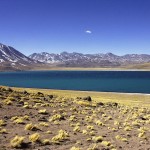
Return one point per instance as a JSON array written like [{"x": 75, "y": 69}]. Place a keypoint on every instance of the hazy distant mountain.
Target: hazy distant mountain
[
  {"x": 90, "y": 60},
  {"x": 11, "y": 59}
]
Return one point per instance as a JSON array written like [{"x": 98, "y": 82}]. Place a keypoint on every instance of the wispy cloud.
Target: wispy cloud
[{"x": 88, "y": 31}]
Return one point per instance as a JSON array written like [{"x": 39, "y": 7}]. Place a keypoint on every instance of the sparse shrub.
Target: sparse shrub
[
  {"x": 84, "y": 103},
  {"x": 7, "y": 102},
  {"x": 26, "y": 106},
  {"x": 98, "y": 122},
  {"x": 48, "y": 132},
  {"x": 106, "y": 143},
  {"x": 92, "y": 133},
  {"x": 116, "y": 123},
  {"x": 136, "y": 123},
  {"x": 109, "y": 118},
  {"x": 34, "y": 137},
  {"x": 31, "y": 127},
  {"x": 104, "y": 115},
  {"x": 114, "y": 129},
  {"x": 90, "y": 127},
  {"x": 84, "y": 132},
  {"x": 2, "y": 123},
  {"x": 72, "y": 118},
  {"x": 75, "y": 148},
  {"x": 44, "y": 124},
  {"x": 19, "y": 120},
  {"x": 60, "y": 137},
  {"x": 56, "y": 122},
  {"x": 26, "y": 117},
  {"x": 89, "y": 139},
  {"x": 97, "y": 138},
  {"x": 42, "y": 111},
  {"x": 76, "y": 128},
  {"x": 118, "y": 137},
  {"x": 127, "y": 128},
  {"x": 17, "y": 142},
  {"x": 56, "y": 117},
  {"x": 3, "y": 131},
  {"x": 124, "y": 139},
  {"x": 46, "y": 142},
  {"x": 141, "y": 134},
  {"x": 93, "y": 147},
  {"x": 14, "y": 118}
]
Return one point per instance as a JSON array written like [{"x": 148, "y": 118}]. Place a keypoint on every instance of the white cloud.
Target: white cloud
[{"x": 88, "y": 31}]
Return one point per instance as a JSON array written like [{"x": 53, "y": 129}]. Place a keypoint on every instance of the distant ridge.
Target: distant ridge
[
  {"x": 12, "y": 59},
  {"x": 90, "y": 60}
]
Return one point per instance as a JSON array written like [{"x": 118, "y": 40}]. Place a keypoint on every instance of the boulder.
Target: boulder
[
  {"x": 50, "y": 96},
  {"x": 88, "y": 98},
  {"x": 100, "y": 104}
]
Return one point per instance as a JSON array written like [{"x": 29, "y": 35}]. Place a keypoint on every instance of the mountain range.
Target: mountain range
[
  {"x": 12, "y": 59},
  {"x": 90, "y": 60}
]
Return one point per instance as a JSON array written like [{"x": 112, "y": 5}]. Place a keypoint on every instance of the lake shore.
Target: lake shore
[
  {"x": 135, "y": 99},
  {"x": 86, "y": 69}
]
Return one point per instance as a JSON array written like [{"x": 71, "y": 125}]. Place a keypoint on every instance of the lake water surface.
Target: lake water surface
[{"x": 106, "y": 81}]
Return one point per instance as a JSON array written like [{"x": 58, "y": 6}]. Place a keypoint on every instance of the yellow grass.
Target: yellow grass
[{"x": 131, "y": 99}]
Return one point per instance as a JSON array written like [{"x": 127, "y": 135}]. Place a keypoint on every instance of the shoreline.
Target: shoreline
[
  {"x": 133, "y": 99},
  {"x": 86, "y": 69},
  {"x": 76, "y": 91},
  {"x": 79, "y": 69}
]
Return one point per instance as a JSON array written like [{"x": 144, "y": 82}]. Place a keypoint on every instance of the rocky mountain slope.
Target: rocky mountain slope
[
  {"x": 90, "y": 60},
  {"x": 11, "y": 59}
]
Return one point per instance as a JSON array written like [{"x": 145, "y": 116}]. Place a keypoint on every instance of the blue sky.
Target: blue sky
[{"x": 87, "y": 26}]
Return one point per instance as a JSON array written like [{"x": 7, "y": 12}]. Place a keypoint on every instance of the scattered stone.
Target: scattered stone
[
  {"x": 6, "y": 117},
  {"x": 9, "y": 90},
  {"x": 79, "y": 97},
  {"x": 39, "y": 94},
  {"x": 50, "y": 96},
  {"x": 25, "y": 92},
  {"x": 112, "y": 104},
  {"x": 42, "y": 118},
  {"x": 88, "y": 98},
  {"x": 100, "y": 104}
]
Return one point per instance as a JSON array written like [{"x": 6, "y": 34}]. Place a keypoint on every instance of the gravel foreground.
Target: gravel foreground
[{"x": 35, "y": 120}]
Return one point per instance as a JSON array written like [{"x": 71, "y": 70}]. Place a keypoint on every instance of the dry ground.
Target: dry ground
[{"x": 70, "y": 120}]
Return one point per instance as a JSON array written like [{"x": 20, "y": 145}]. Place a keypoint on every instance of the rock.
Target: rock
[
  {"x": 79, "y": 97},
  {"x": 21, "y": 103},
  {"x": 50, "y": 96},
  {"x": 100, "y": 104},
  {"x": 39, "y": 94},
  {"x": 6, "y": 117},
  {"x": 44, "y": 99},
  {"x": 42, "y": 119},
  {"x": 3, "y": 89},
  {"x": 88, "y": 98},
  {"x": 9, "y": 90},
  {"x": 112, "y": 104},
  {"x": 62, "y": 118},
  {"x": 142, "y": 118},
  {"x": 25, "y": 92}
]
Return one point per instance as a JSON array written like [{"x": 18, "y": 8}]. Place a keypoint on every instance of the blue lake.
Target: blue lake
[{"x": 106, "y": 81}]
